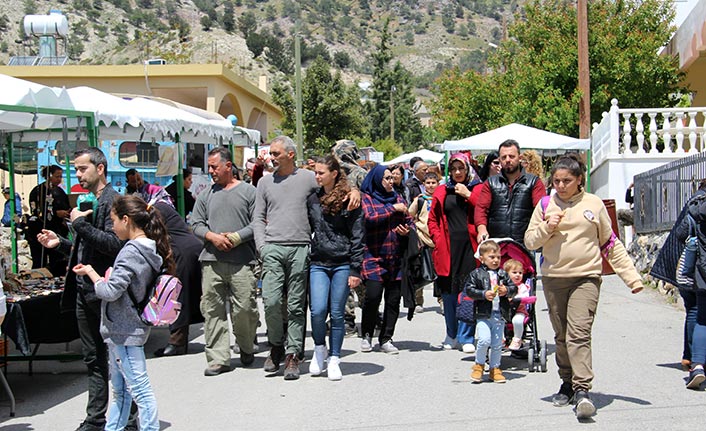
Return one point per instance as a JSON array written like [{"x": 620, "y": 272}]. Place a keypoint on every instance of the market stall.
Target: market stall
[
  {"x": 31, "y": 112},
  {"x": 31, "y": 108}
]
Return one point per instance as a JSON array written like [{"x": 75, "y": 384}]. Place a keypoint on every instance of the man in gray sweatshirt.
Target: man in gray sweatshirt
[
  {"x": 282, "y": 236},
  {"x": 221, "y": 218}
]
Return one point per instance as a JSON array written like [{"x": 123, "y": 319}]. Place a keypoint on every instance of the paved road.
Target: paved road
[{"x": 638, "y": 385}]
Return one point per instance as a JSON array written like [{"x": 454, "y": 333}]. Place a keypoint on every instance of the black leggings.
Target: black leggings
[{"x": 374, "y": 291}]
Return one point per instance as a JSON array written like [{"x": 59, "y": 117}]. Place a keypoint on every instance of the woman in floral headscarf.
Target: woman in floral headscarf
[{"x": 454, "y": 233}]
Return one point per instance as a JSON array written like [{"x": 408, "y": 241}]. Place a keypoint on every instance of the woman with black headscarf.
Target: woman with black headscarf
[
  {"x": 454, "y": 234},
  {"x": 186, "y": 247},
  {"x": 491, "y": 166},
  {"x": 386, "y": 220},
  {"x": 398, "y": 179}
]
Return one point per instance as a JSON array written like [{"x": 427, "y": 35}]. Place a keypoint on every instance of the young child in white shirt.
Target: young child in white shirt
[{"x": 516, "y": 272}]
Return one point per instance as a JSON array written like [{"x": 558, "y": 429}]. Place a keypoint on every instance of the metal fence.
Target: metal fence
[{"x": 661, "y": 193}]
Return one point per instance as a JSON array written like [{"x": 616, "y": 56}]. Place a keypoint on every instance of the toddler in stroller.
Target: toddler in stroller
[{"x": 519, "y": 302}]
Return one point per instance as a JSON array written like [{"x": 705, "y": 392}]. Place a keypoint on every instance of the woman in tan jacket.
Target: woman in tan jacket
[{"x": 574, "y": 230}]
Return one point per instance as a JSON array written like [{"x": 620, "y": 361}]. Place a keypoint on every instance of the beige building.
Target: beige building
[
  {"x": 212, "y": 87},
  {"x": 689, "y": 46}
]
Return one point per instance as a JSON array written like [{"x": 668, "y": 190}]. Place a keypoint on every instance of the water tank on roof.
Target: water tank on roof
[{"x": 54, "y": 24}]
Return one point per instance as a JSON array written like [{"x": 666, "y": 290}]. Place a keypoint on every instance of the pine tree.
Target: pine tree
[{"x": 392, "y": 96}]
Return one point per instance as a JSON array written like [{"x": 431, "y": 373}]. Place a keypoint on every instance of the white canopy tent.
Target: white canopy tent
[
  {"x": 527, "y": 137},
  {"x": 141, "y": 118},
  {"x": 29, "y": 96},
  {"x": 426, "y": 155}
]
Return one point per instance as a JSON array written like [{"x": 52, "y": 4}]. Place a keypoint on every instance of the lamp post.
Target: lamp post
[
  {"x": 298, "y": 96},
  {"x": 392, "y": 112}
]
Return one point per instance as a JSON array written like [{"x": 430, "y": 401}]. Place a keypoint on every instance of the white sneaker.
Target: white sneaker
[
  {"x": 469, "y": 348},
  {"x": 334, "y": 369},
  {"x": 389, "y": 348},
  {"x": 318, "y": 361},
  {"x": 449, "y": 343},
  {"x": 418, "y": 309},
  {"x": 366, "y": 344}
]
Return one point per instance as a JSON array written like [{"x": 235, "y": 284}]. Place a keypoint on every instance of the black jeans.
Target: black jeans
[
  {"x": 374, "y": 291},
  {"x": 95, "y": 356}
]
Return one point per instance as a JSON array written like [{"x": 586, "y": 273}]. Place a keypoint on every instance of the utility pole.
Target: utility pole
[
  {"x": 584, "y": 77},
  {"x": 392, "y": 112},
  {"x": 298, "y": 96}
]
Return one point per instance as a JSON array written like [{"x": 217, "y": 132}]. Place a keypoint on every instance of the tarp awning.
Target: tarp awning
[
  {"x": 426, "y": 155},
  {"x": 152, "y": 119},
  {"x": 527, "y": 137},
  {"x": 18, "y": 92}
]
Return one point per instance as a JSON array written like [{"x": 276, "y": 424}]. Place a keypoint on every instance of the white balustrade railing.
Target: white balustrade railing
[{"x": 648, "y": 132}]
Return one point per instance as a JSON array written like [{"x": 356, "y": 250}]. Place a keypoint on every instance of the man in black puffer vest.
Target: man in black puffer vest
[{"x": 506, "y": 201}]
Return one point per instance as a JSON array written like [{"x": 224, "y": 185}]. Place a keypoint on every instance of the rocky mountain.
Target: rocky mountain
[{"x": 255, "y": 37}]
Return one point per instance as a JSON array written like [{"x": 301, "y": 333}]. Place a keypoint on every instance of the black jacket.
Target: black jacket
[
  {"x": 186, "y": 248},
  {"x": 98, "y": 245},
  {"x": 189, "y": 200},
  {"x": 478, "y": 282},
  {"x": 665, "y": 265},
  {"x": 696, "y": 208},
  {"x": 413, "y": 188},
  {"x": 336, "y": 239},
  {"x": 510, "y": 212}
]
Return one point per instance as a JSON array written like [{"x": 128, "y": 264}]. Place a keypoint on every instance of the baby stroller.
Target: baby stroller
[{"x": 534, "y": 349}]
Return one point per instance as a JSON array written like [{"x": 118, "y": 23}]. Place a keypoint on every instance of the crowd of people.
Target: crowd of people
[{"x": 318, "y": 237}]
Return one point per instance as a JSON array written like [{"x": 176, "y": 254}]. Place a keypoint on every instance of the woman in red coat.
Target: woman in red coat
[{"x": 454, "y": 233}]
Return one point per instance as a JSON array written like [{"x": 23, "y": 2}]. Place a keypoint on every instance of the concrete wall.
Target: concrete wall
[{"x": 612, "y": 178}]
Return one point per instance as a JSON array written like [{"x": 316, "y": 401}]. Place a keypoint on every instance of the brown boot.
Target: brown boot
[
  {"x": 477, "y": 373},
  {"x": 291, "y": 367},
  {"x": 496, "y": 375}
]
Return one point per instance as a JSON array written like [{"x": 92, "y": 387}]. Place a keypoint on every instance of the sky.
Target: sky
[{"x": 683, "y": 9}]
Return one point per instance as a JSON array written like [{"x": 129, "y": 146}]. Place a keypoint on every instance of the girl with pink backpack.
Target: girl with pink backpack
[{"x": 143, "y": 257}]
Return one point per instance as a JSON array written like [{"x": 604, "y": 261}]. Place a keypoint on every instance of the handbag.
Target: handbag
[
  {"x": 687, "y": 260},
  {"x": 426, "y": 273},
  {"x": 465, "y": 309},
  {"x": 423, "y": 268}
]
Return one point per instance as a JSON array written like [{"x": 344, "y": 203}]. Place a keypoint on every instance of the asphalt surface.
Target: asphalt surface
[{"x": 636, "y": 352}]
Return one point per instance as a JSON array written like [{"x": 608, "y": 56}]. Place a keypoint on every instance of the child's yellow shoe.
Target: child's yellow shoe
[
  {"x": 477, "y": 373},
  {"x": 496, "y": 375}
]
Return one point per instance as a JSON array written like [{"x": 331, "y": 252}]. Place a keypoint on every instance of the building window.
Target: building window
[
  {"x": 67, "y": 149},
  {"x": 139, "y": 154}
]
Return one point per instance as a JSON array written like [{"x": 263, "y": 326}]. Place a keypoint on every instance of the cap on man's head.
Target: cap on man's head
[{"x": 6, "y": 190}]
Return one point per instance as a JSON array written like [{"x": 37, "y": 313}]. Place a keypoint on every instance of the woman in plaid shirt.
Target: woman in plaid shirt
[{"x": 386, "y": 219}]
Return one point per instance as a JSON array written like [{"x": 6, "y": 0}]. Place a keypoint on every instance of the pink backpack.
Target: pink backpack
[{"x": 161, "y": 306}]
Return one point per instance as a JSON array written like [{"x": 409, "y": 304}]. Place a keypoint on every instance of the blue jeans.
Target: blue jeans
[
  {"x": 690, "y": 307},
  {"x": 698, "y": 344},
  {"x": 128, "y": 376},
  {"x": 328, "y": 291},
  {"x": 460, "y": 331},
  {"x": 489, "y": 333}
]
